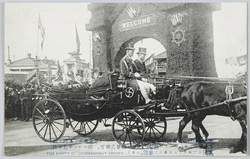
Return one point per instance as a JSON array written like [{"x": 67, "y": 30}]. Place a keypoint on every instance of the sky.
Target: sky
[{"x": 59, "y": 20}]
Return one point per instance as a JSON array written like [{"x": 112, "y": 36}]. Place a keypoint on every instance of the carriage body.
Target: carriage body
[
  {"x": 133, "y": 121},
  {"x": 83, "y": 110}
]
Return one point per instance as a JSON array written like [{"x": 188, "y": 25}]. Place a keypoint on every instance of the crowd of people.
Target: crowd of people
[{"x": 20, "y": 100}]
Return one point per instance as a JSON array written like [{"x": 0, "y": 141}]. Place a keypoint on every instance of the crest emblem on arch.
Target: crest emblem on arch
[{"x": 133, "y": 11}]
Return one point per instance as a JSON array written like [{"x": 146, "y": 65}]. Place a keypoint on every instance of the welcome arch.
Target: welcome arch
[{"x": 184, "y": 29}]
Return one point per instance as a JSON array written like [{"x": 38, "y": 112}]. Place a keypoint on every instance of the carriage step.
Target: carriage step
[{"x": 107, "y": 125}]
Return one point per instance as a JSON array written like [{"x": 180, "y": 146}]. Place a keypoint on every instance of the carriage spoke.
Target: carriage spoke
[
  {"x": 58, "y": 123},
  {"x": 39, "y": 123},
  {"x": 53, "y": 131},
  {"x": 49, "y": 132},
  {"x": 137, "y": 133},
  {"x": 158, "y": 131},
  {"x": 129, "y": 139},
  {"x": 59, "y": 117},
  {"x": 88, "y": 126},
  {"x": 92, "y": 122},
  {"x": 133, "y": 137},
  {"x": 121, "y": 135},
  {"x": 146, "y": 130},
  {"x": 150, "y": 133},
  {"x": 76, "y": 125},
  {"x": 154, "y": 132},
  {"x": 46, "y": 131},
  {"x": 122, "y": 125},
  {"x": 38, "y": 117},
  {"x": 124, "y": 139},
  {"x": 42, "y": 128},
  {"x": 85, "y": 128},
  {"x": 57, "y": 127},
  {"x": 121, "y": 120},
  {"x": 159, "y": 126},
  {"x": 40, "y": 112}
]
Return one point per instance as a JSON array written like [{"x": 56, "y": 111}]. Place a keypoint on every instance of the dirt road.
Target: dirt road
[{"x": 20, "y": 139}]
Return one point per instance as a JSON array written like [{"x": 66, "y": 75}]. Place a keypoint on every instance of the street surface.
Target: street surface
[{"x": 20, "y": 139}]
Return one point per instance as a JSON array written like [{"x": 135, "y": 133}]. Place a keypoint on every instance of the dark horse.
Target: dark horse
[{"x": 199, "y": 95}]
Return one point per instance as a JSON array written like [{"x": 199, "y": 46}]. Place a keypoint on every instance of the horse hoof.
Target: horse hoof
[
  {"x": 203, "y": 145},
  {"x": 232, "y": 150},
  {"x": 238, "y": 149},
  {"x": 206, "y": 136},
  {"x": 244, "y": 151}
]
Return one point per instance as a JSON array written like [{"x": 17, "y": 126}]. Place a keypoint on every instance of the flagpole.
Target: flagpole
[
  {"x": 90, "y": 53},
  {"x": 37, "y": 38}
]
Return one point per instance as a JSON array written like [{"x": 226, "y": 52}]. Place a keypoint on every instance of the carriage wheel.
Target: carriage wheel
[
  {"x": 83, "y": 127},
  {"x": 49, "y": 120},
  {"x": 125, "y": 129},
  {"x": 155, "y": 128}
]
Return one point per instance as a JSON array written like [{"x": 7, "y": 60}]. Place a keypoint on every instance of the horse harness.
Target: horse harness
[{"x": 229, "y": 91}]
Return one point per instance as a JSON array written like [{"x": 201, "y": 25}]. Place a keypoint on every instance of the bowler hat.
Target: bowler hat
[
  {"x": 142, "y": 50},
  {"x": 129, "y": 46}
]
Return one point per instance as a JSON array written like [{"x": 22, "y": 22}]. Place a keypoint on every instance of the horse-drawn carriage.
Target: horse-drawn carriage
[{"x": 133, "y": 121}]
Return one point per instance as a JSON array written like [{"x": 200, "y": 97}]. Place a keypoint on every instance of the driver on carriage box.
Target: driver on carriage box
[{"x": 128, "y": 72}]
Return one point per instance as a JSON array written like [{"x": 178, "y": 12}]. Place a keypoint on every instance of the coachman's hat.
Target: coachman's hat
[
  {"x": 142, "y": 50},
  {"x": 129, "y": 46}
]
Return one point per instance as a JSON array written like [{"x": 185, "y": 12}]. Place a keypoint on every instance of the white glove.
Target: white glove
[{"x": 137, "y": 75}]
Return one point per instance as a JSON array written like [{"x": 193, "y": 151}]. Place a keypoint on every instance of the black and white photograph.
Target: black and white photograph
[{"x": 125, "y": 79}]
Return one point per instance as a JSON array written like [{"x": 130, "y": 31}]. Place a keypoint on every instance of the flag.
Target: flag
[
  {"x": 77, "y": 41},
  {"x": 59, "y": 72},
  {"x": 40, "y": 26}
]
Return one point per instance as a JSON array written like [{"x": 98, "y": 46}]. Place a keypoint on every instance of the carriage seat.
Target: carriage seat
[
  {"x": 99, "y": 92},
  {"x": 122, "y": 83},
  {"x": 116, "y": 82}
]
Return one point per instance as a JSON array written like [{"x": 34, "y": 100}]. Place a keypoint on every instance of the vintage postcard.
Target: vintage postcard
[{"x": 125, "y": 79}]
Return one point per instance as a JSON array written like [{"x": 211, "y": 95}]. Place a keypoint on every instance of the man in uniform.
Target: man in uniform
[{"x": 129, "y": 72}]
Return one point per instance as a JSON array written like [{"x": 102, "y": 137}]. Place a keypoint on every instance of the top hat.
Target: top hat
[
  {"x": 142, "y": 50},
  {"x": 129, "y": 46}
]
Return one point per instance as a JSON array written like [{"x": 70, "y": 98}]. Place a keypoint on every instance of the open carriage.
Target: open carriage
[{"x": 133, "y": 122}]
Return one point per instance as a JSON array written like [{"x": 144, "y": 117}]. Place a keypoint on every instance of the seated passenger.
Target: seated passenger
[{"x": 100, "y": 81}]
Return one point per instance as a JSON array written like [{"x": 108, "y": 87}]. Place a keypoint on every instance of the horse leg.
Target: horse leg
[
  {"x": 204, "y": 131},
  {"x": 242, "y": 144},
  {"x": 241, "y": 116},
  {"x": 182, "y": 124},
  {"x": 196, "y": 122}
]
